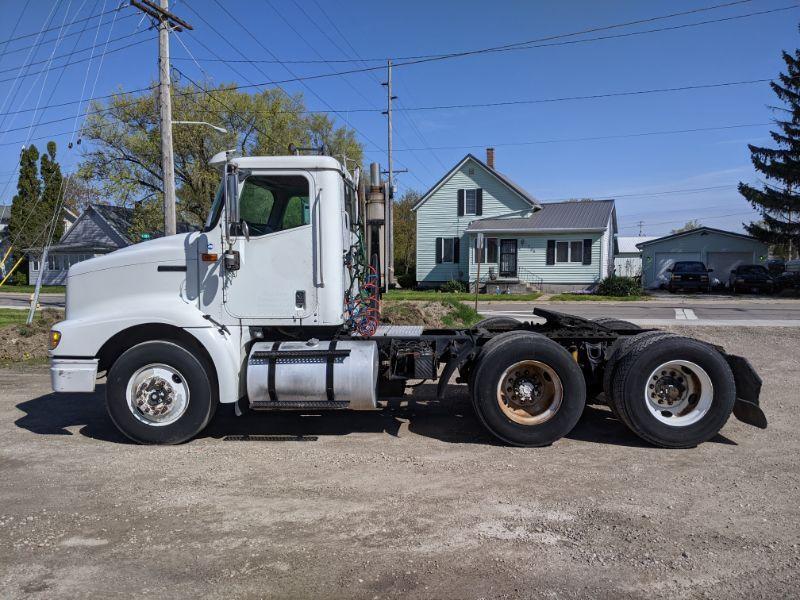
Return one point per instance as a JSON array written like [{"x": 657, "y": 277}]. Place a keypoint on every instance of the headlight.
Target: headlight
[{"x": 55, "y": 337}]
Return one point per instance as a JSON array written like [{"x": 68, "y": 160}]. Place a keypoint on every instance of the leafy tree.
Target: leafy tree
[
  {"x": 779, "y": 198},
  {"x": 405, "y": 238},
  {"x": 125, "y": 161},
  {"x": 27, "y": 220},
  {"x": 688, "y": 226},
  {"x": 52, "y": 192}
]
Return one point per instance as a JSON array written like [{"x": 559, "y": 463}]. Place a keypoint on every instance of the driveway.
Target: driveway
[
  {"x": 412, "y": 502},
  {"x": 23, "y": 300}
]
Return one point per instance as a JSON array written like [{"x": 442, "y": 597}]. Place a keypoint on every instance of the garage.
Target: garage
[
  {"x": 724, "y": 262},
  {"x": 718, "y": 249}
]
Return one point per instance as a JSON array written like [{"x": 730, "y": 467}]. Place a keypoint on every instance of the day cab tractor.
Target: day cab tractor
[{"x": 274, "y": 306}]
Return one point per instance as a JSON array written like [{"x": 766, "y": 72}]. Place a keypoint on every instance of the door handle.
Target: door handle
[{"x": 318, "y": 219}]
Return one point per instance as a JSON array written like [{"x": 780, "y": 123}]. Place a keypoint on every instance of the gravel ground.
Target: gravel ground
[{"x": 409, "y": 502}]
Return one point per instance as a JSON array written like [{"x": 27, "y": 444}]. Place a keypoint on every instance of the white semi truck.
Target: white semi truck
[{"x": 274, "y": 306}]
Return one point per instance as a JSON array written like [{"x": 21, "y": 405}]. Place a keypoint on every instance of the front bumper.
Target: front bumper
[{"x": 73, "y": 374}]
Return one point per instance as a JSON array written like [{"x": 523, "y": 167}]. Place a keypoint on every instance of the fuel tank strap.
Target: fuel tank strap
[
  {"x": 273, "y": 359},
  {"x": 329, "y": 371}
]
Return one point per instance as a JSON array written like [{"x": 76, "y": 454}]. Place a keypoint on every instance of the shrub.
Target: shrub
[
  {"x": 407, "y": 281},
  {"x": 619, "y": 286},
  {"x": 453, "y": 286}
]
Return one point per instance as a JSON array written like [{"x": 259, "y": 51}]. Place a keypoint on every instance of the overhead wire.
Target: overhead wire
[{"x": 14, "y": 29}]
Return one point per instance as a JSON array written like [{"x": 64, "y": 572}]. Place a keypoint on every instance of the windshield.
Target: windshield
[
  {"x": 752, "y": 270},
  {"x": 216, "y": 209},
  {"x": 689, "y": 267}
]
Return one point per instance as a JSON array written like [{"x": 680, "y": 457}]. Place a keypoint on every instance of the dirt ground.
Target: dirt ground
[{"x": 409, "y": 502}]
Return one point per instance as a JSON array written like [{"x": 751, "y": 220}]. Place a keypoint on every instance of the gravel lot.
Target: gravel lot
[{"x": 412, "y": 502}]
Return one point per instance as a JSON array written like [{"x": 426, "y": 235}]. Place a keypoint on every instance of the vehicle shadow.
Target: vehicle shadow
[{"x": 451, "y": 420}]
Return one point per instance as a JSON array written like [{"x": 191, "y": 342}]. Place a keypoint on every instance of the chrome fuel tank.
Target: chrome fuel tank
[{"x": 313, "y": 375}]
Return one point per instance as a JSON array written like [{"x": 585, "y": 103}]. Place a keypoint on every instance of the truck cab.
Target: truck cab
[{"x": 274, "y": 305}]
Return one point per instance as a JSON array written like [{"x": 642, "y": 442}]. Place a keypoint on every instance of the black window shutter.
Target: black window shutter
[
  {"x": 438, "y": 250},
  {"x": 478, "y": 202},
  {"x": 551, "y": 252},
  {"x": 587, "y": 251},
  {"x": 460, "y": 203},
  {"x": 456, "y": 250}
]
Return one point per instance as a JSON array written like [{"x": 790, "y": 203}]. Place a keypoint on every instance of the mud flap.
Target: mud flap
[{"x": 748, "y": 389}]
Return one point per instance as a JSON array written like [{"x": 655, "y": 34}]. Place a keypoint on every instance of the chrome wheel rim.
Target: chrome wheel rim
[
  {"x": 530, "y": 392},
  {"x": 157, "y": 394},
  {"x": 679, "y": 393}
]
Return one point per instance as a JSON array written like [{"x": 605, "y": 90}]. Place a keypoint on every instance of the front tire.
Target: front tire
[
  {"x": 160, "y": 393},
  {"x": 527, "y": 390}
]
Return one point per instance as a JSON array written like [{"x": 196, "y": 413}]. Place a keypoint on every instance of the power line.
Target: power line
[
  {"x": 73, "y": 52},
  {"x": 14, "y": 29},
  {"x": 27, "y": 35},
  {"x": 537, "y": 42},
  {"x": 645, "y": 194},
  {"x": 741, "y": 214},
  {"x": 53, "y": 39},
  {"x": 587, "y": 139}
]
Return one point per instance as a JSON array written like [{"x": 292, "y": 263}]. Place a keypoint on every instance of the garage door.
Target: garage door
[
  {"x": 664, "y": 260},
  {"x": 724, "y": 262}
]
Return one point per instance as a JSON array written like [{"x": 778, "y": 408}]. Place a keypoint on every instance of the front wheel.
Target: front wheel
[
  {"x": 527, "y": 390},
  {"x": 159, "y": 393}
]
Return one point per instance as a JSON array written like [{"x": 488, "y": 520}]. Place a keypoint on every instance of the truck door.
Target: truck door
[{"x": 275, "y": 279}]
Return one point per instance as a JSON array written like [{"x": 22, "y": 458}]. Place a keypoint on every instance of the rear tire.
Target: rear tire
[
  {"x": 497, "y": 324},
  {"x": 160, "y": 393},
  {"x": 673, "y": 392},
  {"x": 527, "y": 390}
]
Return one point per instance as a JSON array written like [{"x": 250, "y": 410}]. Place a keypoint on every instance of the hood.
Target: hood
[{"x": 164, "y": 249}]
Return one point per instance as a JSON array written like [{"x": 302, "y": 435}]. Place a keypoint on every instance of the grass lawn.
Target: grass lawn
[
  {"x": 435, "y": 296},
  {"x": 595, "y": 298},
  {"x": 460, "y": 315},
  {"x": 12, "y": 316},
  {"x": 29, "y": 289}
]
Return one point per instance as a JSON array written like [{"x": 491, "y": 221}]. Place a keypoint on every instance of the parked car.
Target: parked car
[
  {"x": 751, "y": 278},
  {"x": 790, "y": 278},
  {"x": 689, "y": 275},
  {"x": 776, "y": 266}
]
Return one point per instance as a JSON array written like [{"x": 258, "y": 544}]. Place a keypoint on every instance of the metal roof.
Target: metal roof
[
  {"x": 521, "y": 192},
  {"x": 701, "y": 231},
  {"x": 627, "y": 244},
  {"x": 578, "y": 215}
]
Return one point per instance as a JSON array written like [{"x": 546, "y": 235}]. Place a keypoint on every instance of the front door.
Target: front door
[
  {"x": 508, "y": 258},
  {"x": 276, "y": 276}
]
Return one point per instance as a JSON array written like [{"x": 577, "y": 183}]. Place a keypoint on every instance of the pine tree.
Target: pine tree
[
  {"x": 51, "y": 193},
  {"x": 26, "y": 222},
  {"x": 779, "y": 198}
]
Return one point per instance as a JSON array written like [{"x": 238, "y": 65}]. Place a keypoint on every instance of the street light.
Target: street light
[{"x": 215, "y": 127}]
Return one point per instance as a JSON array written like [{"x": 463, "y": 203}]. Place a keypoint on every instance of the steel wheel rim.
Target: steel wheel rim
[
  {"x": 530, "y": 392},
  {"x": 157, "y": 394},
  {"x": 679, "y": 393}
]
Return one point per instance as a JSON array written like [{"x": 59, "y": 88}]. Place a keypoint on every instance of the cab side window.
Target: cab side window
[{"x": 270, "y": 203}]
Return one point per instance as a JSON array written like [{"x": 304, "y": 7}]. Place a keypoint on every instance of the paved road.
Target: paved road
[
  {"x": 15, "y": 300},
  {"x": 660, "y": 311},
  {"x": 744, "y": 311}
]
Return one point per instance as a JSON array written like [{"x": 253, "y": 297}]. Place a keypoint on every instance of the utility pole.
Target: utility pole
[
  {"x": 389, "y": 226},
  {"x": 166, "y": 22},
  {"x": 640, "y": 224}
]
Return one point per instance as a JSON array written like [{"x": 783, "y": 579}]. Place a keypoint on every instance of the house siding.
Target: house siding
[
  {"x": 532, "y": 259},
  {"x": 438, "y": 217}
]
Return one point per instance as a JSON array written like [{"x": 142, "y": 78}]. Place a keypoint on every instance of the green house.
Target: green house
[{"x": 527, "y": 244}]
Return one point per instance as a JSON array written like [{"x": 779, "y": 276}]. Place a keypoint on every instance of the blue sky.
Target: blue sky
[{"x": 535, "y": 142}]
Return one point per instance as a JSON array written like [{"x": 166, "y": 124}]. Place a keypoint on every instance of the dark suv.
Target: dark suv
[
  {"x": 751, "y": 278},
  {"x": 690, "y": 275}
]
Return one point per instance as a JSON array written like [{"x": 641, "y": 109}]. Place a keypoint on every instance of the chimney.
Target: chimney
[{"x": 490, "y": 157}]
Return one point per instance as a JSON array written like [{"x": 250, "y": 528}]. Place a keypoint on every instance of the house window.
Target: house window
[
  {"x": 489, "y": 250},
  {"x": 470, "y": 201},
  {"x": 569, "y": 252},
  {"x": 447, "y": 250}
]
